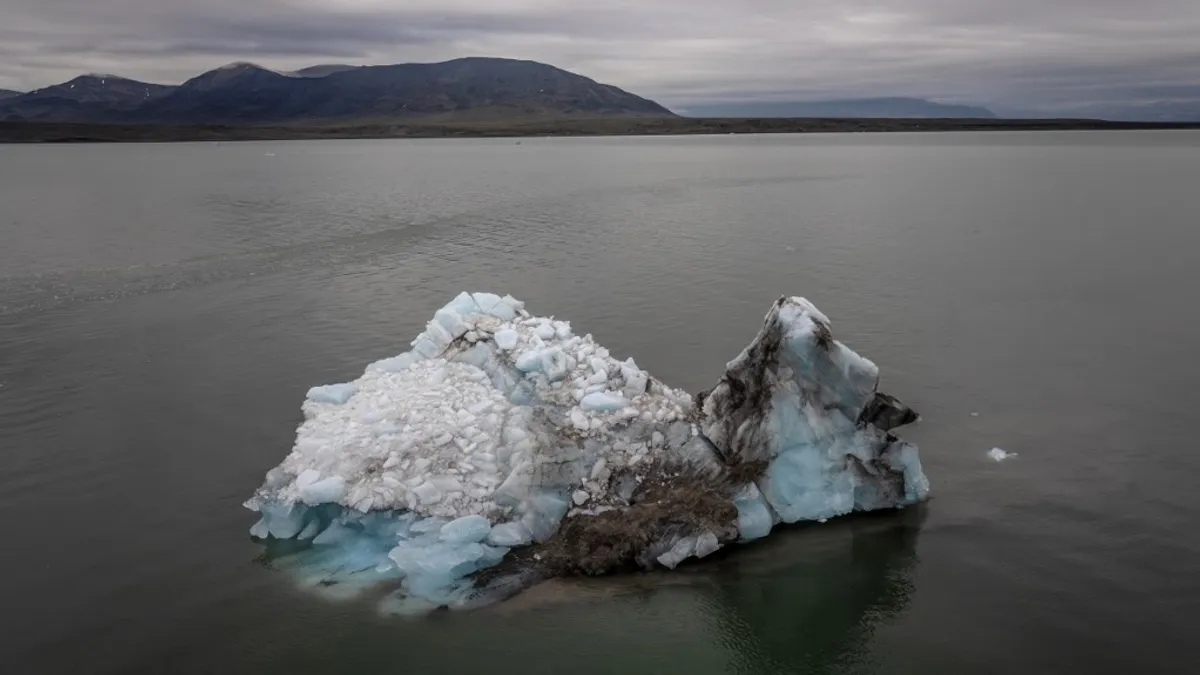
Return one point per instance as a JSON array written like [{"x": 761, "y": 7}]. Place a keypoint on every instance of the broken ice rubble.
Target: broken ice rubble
[{"x": 504, "y": 440}]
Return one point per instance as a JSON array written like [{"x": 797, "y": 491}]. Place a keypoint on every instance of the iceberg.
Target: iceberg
[{"x": 504, "y": 449}]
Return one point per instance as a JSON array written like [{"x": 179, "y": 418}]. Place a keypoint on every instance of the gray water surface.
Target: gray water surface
[{"x": 163, "y": 309}]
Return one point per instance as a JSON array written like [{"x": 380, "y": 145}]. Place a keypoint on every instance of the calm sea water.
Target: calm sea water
[{"x": 163, "y": 309}]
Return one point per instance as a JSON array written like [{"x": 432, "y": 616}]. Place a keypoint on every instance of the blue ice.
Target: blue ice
[{"x": 821, "y": 461}]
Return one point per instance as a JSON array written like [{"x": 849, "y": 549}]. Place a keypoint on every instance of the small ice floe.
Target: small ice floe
[
  {"x": 998, "y": 455},
  {"x": 974, "y": 414}
]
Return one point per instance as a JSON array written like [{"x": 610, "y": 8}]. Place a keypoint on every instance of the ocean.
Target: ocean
[{"x": 165, "y": 307}]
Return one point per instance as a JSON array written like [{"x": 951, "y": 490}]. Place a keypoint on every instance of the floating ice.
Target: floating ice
[
  {"x": 336, "y": 394},
  {"x": 998, "y": 455},
  {"x": 500, "y": 430}
]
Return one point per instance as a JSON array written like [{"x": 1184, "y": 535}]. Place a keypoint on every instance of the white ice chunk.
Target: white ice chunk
[
  {"x": 451, "y": 322},
  {"x": 493, "y": 305},
  {"x": 307, "y": 477},
  {"x": 529, "y": 362},
  {"x": 428, "y": 493},
  {"x": 635, "y": 379},
  {"x": 998, "y": 455},
  {"x": 507, "y": 339},
  {"x": 329, "y": 490},
  {"x": 336, "y": 394},
  {"x": 602, "y": 401},
  {"x": 446, "y": 483},
  {"x": 429, "y": 346},
  {"x": 554, "y": 364}
]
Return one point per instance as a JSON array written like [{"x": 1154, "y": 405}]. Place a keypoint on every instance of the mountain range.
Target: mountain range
[
  {"x": 468, "y": 89},
  {"x": 1150, "y": 111},
  {"x": 248, "y": 94}
]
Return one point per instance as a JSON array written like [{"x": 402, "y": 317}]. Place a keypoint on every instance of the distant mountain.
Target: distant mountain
[
  {"x": 246, "y": 94},
  {"x": 856, "y": 108},
  {"x": 1159, "y": 111},
  {"x": 247, "y": 76},
  {"x": 95, "y": 88},
  {"x": 85, "y": 98},
  {"x": 1173, "y": 111},
  {"x": 8, "y": 93}
]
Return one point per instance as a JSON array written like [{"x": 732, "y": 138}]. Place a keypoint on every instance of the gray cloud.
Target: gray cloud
[{"x": 1018, "y": 52}]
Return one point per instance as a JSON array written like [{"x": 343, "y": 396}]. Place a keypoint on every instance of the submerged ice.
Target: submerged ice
[{"x": 504, "y": 442}]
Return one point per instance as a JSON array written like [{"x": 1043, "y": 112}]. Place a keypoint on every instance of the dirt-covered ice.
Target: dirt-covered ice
[{"x": 503, "y": 448}]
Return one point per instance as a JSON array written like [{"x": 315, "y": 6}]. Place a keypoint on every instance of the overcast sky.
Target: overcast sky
[{"x": 1017, "y": 52}]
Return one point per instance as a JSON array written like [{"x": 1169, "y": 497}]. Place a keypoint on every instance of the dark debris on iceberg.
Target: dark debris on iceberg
[{"x": 504, "y": 449}]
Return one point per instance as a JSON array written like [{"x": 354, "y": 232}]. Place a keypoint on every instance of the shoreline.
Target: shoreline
[{"x": 42, "y": 132}]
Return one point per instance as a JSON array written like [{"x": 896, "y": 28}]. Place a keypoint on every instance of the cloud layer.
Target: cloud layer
[{"x": 1014, "y": 52}]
